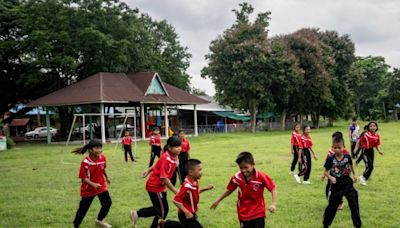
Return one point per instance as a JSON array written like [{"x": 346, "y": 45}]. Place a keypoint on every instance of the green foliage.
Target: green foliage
[{"x": 10, "y": 143}]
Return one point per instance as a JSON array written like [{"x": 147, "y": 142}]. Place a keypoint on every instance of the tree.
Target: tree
[{"x": 237, "y": 63}]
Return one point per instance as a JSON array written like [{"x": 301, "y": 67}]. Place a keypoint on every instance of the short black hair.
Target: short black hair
[
  {"x": 354, "y": 119},
  {"x": 306, "y": 126},
  {"x": 338, "y": 140},
  {"x": 180, "y": 131},
  {"x": 245, "y": 157},
  {"x": 337, "y": 134},
  {"x": 191, "y": 163},
  {"x": 173, "y": 141},
  {"x": 156, "y": 128}
]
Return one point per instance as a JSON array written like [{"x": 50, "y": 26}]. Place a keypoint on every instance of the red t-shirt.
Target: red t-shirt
[
  {"x": 155, "y": 139},
  {"x": 296, "y": 138},
  {"x": 164, "y": 168},
  {"x": 127, "y": 140},
  {"x": 251, "y": 204},
  {"x": 306, "y": 142},
  {"x": 370, "y": 140},
  {"x": 188, "y": 195},
  {"x": 331, "y": 152},
  {"x": 94, "y": 170},
  {"x": 185, "y": 146}
]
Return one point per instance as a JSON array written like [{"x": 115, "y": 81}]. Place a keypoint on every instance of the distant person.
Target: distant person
[
  {"x": 338, "y": 168},
  {"x": 127, "y": 146},
  {"x": 155, "y": 145},
  {"x": 295, "y": 142},
  {"x": 360, "y": 157},
  {"x": 354, "y": 131},
  {"x": 305, "y": 156},
  {"x": 251, "y": 184},
  {"x": 183, "y": 155},
  {"x": 94, "y": 182},
  {"x": 368, "y": 142}
]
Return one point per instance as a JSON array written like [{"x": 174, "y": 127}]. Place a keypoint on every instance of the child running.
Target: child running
[
  {"x": 337, "y": 169},
  {"x": 295, "y": 142},
  {"x": 368, "y": 142},
  {"x": 354, "y": 130},
  {"x": 127, "y": 144},
  {"x": 305, "y": 156},
  {"x": 94, "y": 182},
  {"x": 360, "y": 158},
  {"x": 251, "y": 184},
  {"x": 157, "y": 184},
  {"x": 188, "y": 196},
  {"x": 155, "y": 144},
  {"x": 184, "y": 155}
]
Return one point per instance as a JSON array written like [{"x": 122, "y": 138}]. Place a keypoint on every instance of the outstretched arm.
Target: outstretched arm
[
  {"x": 272, "y": 207},
  {"x": 223, "y": 196}
]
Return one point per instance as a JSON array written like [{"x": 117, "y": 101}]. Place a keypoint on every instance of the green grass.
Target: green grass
[{"x": 39, "y": 185}]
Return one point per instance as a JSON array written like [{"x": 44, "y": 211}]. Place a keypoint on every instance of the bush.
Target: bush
[{"x": 10, "y": 143}]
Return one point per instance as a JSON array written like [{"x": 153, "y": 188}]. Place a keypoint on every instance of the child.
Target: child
[
  {"x": 353, "y": 135},
  {"x": 184, "y": 155},
  {"x": 337, "y": 169},
  {"x": 94, "y": 177},
  {"x": 251, "y": 184},
  {"x": 368, "y": 142},
  {"x": 360, "y": 158},
  {"x": 335, "y": 136},
  {"x": 305, "y": 156},
  {"x": 155, "y": 143},
  {"x": 127, "y": 144},
  {"x": 189, "y": 193},
  {"x": 158, "y": 182},
  {"x": 295, "y": 141}
]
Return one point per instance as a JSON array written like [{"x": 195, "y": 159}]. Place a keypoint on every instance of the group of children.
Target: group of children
[{"x": 251, "y": 208}]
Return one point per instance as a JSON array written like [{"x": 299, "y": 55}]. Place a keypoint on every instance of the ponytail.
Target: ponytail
[{"x": 89, "y": 146}]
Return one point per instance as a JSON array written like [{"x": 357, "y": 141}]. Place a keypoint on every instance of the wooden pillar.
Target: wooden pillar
[
  {"x": 142, "y": 121},
  {"x": 196, "y": 130},
  {"x": 48, "y": 126},
  {"x": 226, "y": 125},
  {"x": 166, "y": 120},
  {"x": 103, "y": 124}
]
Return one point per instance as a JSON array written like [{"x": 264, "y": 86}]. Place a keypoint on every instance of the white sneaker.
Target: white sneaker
[
  {"x": 297, "y": 178},
  {"x": 363, "y": 181},
  {"x": 306, "y": 182},
  {"x": 291, "y": 173},
  {"x": 102, "y": 224},
  {"x": 134, "y": 218}
]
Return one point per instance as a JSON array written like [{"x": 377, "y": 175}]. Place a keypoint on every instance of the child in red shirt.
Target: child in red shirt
[
  {"x": 305, "y": 156},
  {"x": 183, "y": 155},
  {"x": 188, "y": 196},
  {"x": 155, "y": 144},
  {"x": 295, "y": 142},
  {"x": 251, "y": 184},
  {"x": 127, "y": 144},
  {"x": 157, "y": 184},
  {"x": 94, "y": 182},
  {"x": 368, "y": 142}
]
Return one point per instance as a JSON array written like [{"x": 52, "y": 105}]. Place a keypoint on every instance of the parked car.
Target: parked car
[
  {"x": 40, "y": 132},
  {"x": 86, "y": 128}
]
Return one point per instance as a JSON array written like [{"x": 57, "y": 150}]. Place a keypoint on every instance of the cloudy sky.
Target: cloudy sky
[{"x": 373, "y": 25}]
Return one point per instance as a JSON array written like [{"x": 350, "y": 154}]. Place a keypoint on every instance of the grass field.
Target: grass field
[{"x": 39, "y": 185}]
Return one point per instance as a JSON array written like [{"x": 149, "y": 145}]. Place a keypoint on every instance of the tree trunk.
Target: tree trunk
[
  {"x": 301, "y": 119},
  {"x": 65, "y": 121},
  {"x": 283, "y": 119},
  {"x": 253, "y": 116},
  {"x": 315, "y": 120}
]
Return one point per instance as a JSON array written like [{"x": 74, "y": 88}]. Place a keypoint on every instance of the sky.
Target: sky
[{"x": 374, "y": 26}]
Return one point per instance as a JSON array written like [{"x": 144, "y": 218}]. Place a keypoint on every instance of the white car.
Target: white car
[{"x": 40, "y": 132}]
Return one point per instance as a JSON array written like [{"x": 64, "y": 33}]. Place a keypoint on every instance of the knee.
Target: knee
[{"x": 107, "y": 203}]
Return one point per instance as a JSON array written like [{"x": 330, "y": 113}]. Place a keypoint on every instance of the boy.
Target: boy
[
  {"x": 155, "y": 144},
  {"x": 157, "y": 184},
  {"x": 127, "y": 144},
  {"x": 189, "y": 194},
  {"x": 353, "y": 135},
  {"x": 251, "y": 184},
  {"x": 337, "y": 169}
]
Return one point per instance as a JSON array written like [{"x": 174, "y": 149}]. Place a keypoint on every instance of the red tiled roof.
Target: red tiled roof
[
  {"x": 19, "y": 122},
  {"x": 115, "y": 88}
]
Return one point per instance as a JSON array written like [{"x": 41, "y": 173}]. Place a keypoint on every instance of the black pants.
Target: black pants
[
  {"x": 337, "y": 193},
  {"x": 295, "y": 158},
  {"x": 368, "y": 157},
  {"x": 128, "y": 150},
  {"x": 159, "y": 209},
  {"x": 353, "y": 146},
  {"x": 305, "y": 166},
  {"x": 361, "y": 156},
  {"x": 255, "y": 223},
  {"x": 328, "y": 190},
  {"x": 189, "y": 223},
  {"x": 183, "y": 158},
  {"x": 155, "y": 151},
  {"x": 85, "y": 203},
  {"x": 173, "y": 178}
]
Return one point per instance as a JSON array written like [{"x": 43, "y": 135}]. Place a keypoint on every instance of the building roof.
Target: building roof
[
  {"x": 212, "y": 106},
  {"x": 19, "y": 122},
  {"x": 118, "y": 88}
]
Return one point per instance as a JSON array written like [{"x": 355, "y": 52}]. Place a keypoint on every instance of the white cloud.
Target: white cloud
[{"x": 373, "y": 25}]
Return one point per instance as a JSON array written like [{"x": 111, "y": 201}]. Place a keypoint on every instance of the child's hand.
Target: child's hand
[
  {"x": 315, "y": 157},
  {"x": 381, "y": 152},
  {"x": 209, "y": 187},
  {"x": 354, "y": 179},
  {"x": 188, "y": 215},
  {"x": 333, "y": 180},
  {"x": 146, "y": 173},
  {"x": 299, "y": 160},
  {"x": 108, "y": 181},
  {"x": 292, "y": 151},
  {"x": 96, "y": 185},
  {"x": 272, "y": 208},
  {"x": 215, "y": 205},
  {"x": 323, "y": 177}
]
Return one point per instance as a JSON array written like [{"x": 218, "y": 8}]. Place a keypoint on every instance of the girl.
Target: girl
[
  {"x": 127, "y": 146},
  {"x": 359, "y": 148},
  {"x": 184, "y": 155},
  {"x": 368, "y": 142},
  {"x": 155, "y": 143},
  {"x": 305, "y": 156},
  {"x": 353, "y": 135},
  {"x": 94, "y": 182},
  {"x": 295, "y": 141}
]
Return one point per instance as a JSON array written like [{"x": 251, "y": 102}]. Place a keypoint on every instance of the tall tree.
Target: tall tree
[
  {"x": 394, "y": 91},
  {"x": 237, "y": 63}
]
